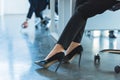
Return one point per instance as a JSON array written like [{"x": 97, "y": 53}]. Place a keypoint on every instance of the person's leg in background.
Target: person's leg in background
[
  {"x": 40, "y": 7},
  {"x": 44, "y": 20},
  {"x": 39, "y": 14},
  {"x": 38, "y": 18},
  {"x": 56, "y": 7},
  {"x": 56, "y": 11}
]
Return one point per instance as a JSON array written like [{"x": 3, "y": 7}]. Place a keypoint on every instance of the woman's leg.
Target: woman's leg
[
  {"x": 76, "y": 41},
  {"x": 87, "y": 13},
  {"x": 72, "y": 29},
  {"x": 70, "y": 32},
  {"x": 77, "y": 23}
]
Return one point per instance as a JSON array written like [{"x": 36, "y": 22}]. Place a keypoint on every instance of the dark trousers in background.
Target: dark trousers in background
[{"x": 37, "y": 6}]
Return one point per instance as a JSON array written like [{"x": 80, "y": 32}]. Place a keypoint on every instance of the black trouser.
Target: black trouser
[
  {"x": 37, "y": 13},
  {"x": 37, "y": 6},
  {"x": 76, "y": 25},
  {"x": 56, "y": 6}
]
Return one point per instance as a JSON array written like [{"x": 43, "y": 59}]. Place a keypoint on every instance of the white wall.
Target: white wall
[
  {"x": 65, "y": 12},
  {"x": 16, "y": 6},
  {"x": 108, "y": 20},
  {"x": 1, "y": 7}
]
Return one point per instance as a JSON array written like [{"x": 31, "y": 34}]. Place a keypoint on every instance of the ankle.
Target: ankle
[
  {"x": 74, "y": 44},
  {"x": 52, "y": 53},
  {"x": 58, "y": 48},
  {"x": 72, "y": 47}
]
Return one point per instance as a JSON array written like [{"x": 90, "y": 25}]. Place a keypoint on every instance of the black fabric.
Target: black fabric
[
  {"x": 93, "y": 7},
  {"x": 56, "y": 6},
  {"x": 36, "y": 6}
]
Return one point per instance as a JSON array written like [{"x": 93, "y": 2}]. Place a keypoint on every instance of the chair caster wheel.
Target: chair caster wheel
[
  {"x": 117, "y": 69},
  {"x": 36, "y": 27},
  {"x": 97, "y": 59},
  {"x": 46, "y": 28}
]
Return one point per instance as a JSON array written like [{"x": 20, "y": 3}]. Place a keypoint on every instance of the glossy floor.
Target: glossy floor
[{"x": 19, "y": 48}]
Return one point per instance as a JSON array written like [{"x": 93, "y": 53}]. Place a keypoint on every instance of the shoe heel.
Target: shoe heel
[
  {"x": 58, "y": 66},
  {"x": 79, "y": 59},
  {"x": 77, "y": 51},
  {"x": 60, "y": 60}
]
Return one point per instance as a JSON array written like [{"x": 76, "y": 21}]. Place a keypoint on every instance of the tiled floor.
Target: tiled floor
[{"x": 20, "y": 48}]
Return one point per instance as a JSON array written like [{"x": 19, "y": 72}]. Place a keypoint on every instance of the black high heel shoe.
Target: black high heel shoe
[
  {"x": 73, "y": 53},
  {"x": 58, "y": 57}
]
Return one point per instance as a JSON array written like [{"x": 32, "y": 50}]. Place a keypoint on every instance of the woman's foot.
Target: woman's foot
[
  {"x": 73, "y": 50},
  {"x": 72, "y": 46},
  {"x": 57, "y": 48},
  {"x": 56, "y": 55},
  {"x": 70, "y": 56}
]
